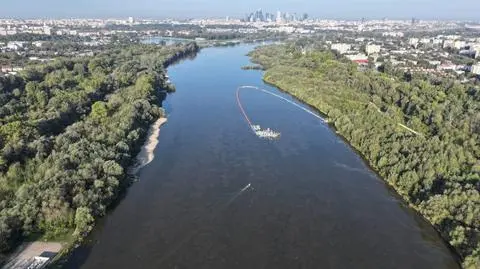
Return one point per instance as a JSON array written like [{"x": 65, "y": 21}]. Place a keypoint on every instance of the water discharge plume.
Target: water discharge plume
[{"x": 256, "y": 129}]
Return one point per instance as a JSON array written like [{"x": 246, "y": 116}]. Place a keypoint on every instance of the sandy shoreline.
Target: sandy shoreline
[{"x": 146, "y": 154}]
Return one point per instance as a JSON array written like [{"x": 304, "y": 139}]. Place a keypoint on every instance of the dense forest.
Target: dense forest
[
  {"x": 422, "y": 136},
  {"x": 69, "y": 131}
]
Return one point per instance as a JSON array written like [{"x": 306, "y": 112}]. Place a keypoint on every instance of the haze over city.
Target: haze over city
[{"x": 345, "y": 9}]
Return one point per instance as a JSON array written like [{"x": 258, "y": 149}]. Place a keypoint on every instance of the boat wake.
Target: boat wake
[
  {"x": 193, "y": 233},
  {"x": 248, "y": 186}
]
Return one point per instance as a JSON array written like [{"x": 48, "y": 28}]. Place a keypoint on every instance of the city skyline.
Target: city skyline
[{"x": 347, "y": 9}]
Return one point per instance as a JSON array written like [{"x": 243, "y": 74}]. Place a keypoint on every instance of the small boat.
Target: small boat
[{"x": 246, "y": 187}]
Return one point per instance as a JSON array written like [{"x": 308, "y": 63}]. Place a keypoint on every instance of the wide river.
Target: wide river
[{"x": 312, "y": 202}]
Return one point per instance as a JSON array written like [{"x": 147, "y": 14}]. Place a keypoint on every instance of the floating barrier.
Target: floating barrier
[{"x": 257, "y": 129}]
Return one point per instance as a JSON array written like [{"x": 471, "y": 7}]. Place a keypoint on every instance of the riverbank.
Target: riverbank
[
  {"x": 144, "y": 157},
  {"x": 146, "y": 154},
  {"x": 335, "y": 89},
  {"x": 367, "y": 162}
]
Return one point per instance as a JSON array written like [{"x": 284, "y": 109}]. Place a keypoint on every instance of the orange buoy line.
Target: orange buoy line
[
  {"x": 241, "y": 108},
  {"x": 256, "y": 128}
]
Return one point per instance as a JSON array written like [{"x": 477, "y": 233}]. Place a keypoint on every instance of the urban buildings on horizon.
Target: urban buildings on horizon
[{"x": 279, "y": 17}]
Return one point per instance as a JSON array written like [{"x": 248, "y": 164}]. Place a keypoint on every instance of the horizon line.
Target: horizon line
[{"x": 124, "y": 17}]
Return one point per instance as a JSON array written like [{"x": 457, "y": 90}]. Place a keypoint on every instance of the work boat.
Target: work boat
[{"x": 267, "y": 133}]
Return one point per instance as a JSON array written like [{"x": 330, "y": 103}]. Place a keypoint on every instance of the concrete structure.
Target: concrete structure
[
  {"x": 476, "y": 48},
  {"x": 358, "y": 58},
  {"x": 38, "y": 44},
  {"x": 448, "y": 44},
  {"x": 476, "y": 69},
  {"x": 47, "y": 30},
  {"x": 413, "y": 42},
  {"x": 14, "y": 45},
  {"x": 447, "y": 66},
  {"x": 437, "y": 42},
  {"x": 425, "y": 41},
  {"x": 34, "y": 255},
  {"x": 372, "y": 49},
  {"x": 459, "y": 44},
  {"x": 393, "y": 34}
]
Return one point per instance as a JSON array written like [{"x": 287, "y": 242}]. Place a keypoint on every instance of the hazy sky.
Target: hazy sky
[{"x": 348, "y": 9}]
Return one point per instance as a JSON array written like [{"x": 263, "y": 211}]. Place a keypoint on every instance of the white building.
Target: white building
[
  {"x": 393, "y": 34},
  {"x": 476, "y": 69},
  {"x": 425, "y": 40},
  {"x": 279, "y": 17},
  {"x": 47, "y": 30},
  {"x": 476, "y": 48},
  {"x": 448, "y": 44},
  {"x": 372, "y": 49},
  {"x": 38, "y": 44},
  {"x": 459, "y": 44},
  {"x": 358, "y": 57},
  {"x": 447, "y": 66},
  {"x": 437, "y": 42},
  {"x": 14, "y": 45},
  {"x": 413, "y": 42},
  {"x": 341, "y": 47},
  {"x": 7, "y": 31}
]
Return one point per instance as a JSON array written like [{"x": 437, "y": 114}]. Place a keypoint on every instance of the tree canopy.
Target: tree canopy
[{"x": 69, "y": 131}]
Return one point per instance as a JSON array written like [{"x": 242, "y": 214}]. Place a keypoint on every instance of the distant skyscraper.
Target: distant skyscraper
[
  {"x": 260, "y": 16},
  {"x": 279, "y": 17}
]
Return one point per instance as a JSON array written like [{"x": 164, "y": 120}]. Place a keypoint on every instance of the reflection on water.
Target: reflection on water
[{"x": 312, "y": 202}]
